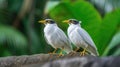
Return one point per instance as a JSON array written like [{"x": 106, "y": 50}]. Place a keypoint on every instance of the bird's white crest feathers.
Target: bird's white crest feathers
[{"x": 80, "y": 22}]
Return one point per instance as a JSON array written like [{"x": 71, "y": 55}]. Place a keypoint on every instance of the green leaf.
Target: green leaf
[
  {"x": 114, "y": 42},
  {"x": 13, "y": 38},
  {"x": 117, "y": 52},
  {"x": 107, "y": 29}
]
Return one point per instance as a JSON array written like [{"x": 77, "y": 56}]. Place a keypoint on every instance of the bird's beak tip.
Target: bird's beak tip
[{"x": 41, "y": 21}]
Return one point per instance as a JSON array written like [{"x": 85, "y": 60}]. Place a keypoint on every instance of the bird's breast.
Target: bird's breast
[
  {"x": 49, "y": 29},
  {"x": 74, "y": 36},
  {"x": 71, "y": 28}
]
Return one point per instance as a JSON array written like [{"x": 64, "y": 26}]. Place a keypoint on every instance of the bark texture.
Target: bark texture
[{"x": 46, "y": 60}]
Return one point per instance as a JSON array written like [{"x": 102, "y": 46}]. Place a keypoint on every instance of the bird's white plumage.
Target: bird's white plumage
[
  {"x": 56, "y": 37},
  {"x": 85, "y": 36},
  {"x": 81, "y": 38}
]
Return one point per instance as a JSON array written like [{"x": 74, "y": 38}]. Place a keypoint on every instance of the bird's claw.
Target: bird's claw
[
  {"x": 60, "y": 55},
  {"x": 82, "y": 54},
  {"x": 72, "y": 53}
]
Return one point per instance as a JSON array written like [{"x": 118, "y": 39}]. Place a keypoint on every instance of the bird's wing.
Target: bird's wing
[
  {"x": 86, "y": 37},
  {"x": 62, "y": 36},
  {"x": 46, "y": 39}
]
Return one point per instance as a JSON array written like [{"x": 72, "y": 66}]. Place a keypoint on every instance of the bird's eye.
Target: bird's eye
[
  {"x": 70, "y": 20},
  {"x": 75, "y": 21},
  {"x": 47, "y": 21},
  {"x": 52, "y": 22}
]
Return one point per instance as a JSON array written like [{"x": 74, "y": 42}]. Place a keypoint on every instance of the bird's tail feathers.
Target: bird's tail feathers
[
  {"x": 68, "y": 50},
  {"x": 93, "y": 51},
  {"x": 93, "y": 54}
]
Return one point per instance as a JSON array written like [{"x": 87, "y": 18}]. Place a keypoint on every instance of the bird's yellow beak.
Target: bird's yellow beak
[
  {"x": 66, "y": 21},
  {"x": 42, "y": 21}
]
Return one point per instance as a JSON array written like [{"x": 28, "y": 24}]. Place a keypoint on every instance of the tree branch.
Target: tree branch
[{"x": 46, "y": 60}]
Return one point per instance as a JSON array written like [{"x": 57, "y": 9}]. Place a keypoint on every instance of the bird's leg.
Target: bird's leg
[
  {"x": 76, "y": 49},
  {"x": 71, "y": 54},
  {"x": 60, "y": 54},
  {"x": 54, "y": 51},
  {"x": 83, "y": 52}
]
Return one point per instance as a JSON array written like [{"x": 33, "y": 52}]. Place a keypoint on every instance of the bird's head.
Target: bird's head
[
  {"x": 72, "y": 21},
  {"x": 47, "y": 21}
]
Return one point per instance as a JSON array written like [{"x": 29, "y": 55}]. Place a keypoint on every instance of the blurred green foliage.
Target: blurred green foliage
[{"x": 20, "y": 32}]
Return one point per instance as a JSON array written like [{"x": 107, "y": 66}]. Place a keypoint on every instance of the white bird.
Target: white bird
[
  {"x": 55, "y": 36},
  {"x": 80, "y": 38}
]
